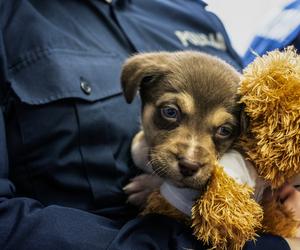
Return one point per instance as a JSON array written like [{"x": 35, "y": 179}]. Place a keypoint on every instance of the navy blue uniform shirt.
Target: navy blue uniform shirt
[{"x": 65, "y": 129}]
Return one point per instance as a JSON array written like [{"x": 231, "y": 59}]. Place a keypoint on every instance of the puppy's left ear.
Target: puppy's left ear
[
  {"x": 242, "y": 116},
  {"x": 244, "y": 121},
  {"x": 142, "y": 69}
]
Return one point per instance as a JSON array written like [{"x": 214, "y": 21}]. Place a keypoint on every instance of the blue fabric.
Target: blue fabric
[
  {"x": 65, "y": 129},
  {"x": 267, "y": 242},
  {"x": 282, "y": 30}
]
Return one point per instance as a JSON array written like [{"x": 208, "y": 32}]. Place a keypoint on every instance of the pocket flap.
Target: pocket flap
[{"x": 56, "y": 74}]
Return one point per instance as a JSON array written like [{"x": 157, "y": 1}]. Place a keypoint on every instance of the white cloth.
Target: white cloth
[
  {"x": 234, "y": 165},
  {"x": 243, "y": 172},
  {"x": 180, "y": 198}
]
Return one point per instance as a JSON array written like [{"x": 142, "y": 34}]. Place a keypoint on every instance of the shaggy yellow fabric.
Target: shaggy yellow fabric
[
  {"x": 270, "y": 90},
  {"x": 226, "y": 216}
]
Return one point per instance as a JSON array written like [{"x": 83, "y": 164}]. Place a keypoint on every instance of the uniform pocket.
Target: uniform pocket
[{"x": 49, "y": 84}]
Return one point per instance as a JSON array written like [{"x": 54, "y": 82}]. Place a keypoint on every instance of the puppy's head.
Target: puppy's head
[{"x": 190, "y": 115}]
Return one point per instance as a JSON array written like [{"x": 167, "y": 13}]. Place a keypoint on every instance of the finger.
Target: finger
[
  {"x": 142, "y": 177},
  {"x": 297, "y": 187},
  {"x": 133, "y": 187},
  {"x": 285, "y": 192},
  {"x": 148, "y": 181},
  {"x": 292, "y": 203},
  {"x": 298, "y": 233},
  {"x": 138, "y": 199}
]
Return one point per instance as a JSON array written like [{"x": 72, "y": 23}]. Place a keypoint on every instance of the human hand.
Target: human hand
[
  {"x": 289, "y": 196},
  {"x": 293, "y": 243},
  {"x": 140, "y": 187}
]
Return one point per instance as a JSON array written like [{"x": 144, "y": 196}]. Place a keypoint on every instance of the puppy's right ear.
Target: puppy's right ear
[{"x": 142, "y": 69}]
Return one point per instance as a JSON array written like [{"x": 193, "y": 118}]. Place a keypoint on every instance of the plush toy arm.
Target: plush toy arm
[{"x": 226, "y": 216}]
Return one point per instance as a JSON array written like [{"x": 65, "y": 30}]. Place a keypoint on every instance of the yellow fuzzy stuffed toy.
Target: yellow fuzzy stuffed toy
[{"x": 270, "y": 90}]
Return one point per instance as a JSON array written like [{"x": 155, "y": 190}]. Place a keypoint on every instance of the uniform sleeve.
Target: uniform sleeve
[{"x": 26, "y": 224}]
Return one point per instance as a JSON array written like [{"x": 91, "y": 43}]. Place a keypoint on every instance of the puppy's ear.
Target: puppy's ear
[
  {"x": 244, "y": 121},
  {"x": 142, "y": 69}
]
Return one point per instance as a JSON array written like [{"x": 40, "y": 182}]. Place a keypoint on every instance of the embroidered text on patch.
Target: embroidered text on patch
[{"x": 215, "y": 40}]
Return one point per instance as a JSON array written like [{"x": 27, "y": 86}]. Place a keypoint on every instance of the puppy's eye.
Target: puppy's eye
[
  {"x": 224, "y": 132},
  {"x": 170, "y": 113}
]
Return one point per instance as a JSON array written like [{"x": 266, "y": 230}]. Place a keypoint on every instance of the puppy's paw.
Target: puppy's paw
[{"x": 140, "y": 187}]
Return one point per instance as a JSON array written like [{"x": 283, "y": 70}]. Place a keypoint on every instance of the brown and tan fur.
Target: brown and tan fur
[{"x": 203, "y": 91}]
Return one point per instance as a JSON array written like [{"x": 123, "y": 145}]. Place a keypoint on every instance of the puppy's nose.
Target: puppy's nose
[{"x": 187, "y": 167}]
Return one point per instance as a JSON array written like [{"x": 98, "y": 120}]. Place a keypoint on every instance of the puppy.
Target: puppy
[{"x": 190, "y": 117}]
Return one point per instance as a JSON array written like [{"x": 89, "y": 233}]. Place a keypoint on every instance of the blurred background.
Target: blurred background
[{"x": 243, "y": 18}]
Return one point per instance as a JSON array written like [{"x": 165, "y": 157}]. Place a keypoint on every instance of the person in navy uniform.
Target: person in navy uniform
[{"x": 65, "y": 129}]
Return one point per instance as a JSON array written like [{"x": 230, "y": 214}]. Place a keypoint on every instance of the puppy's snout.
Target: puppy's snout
[{"x": 188, "y": 167}]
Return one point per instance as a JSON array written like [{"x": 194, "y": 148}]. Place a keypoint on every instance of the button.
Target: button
[
  {"x": 108, "y": 1},
  {"x": 85, "y": 86}
]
